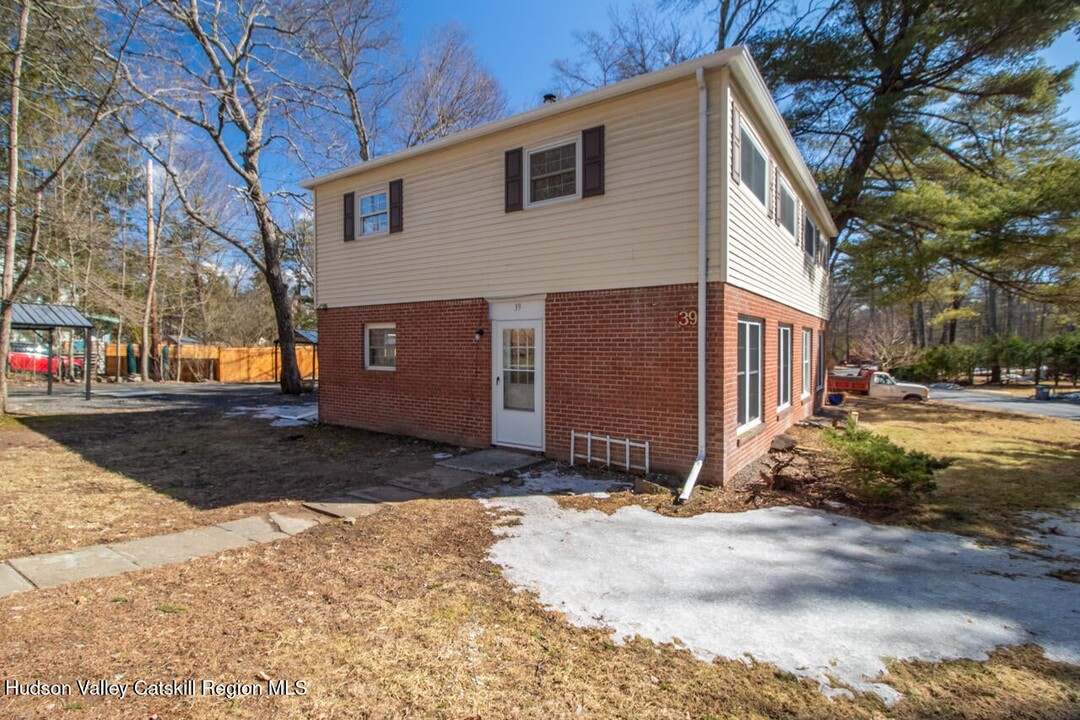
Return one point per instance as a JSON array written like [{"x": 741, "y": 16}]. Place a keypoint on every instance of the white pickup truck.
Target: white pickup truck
[{"x": 877, "y": 384}]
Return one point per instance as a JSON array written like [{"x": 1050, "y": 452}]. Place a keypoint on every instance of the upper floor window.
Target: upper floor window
[
  {"x": 787, "y": 209},
  {"x": 753, "y": 166},
  {"x": 552, "y": 172},
  {"x": 810, "y": 236},
  {"x": 374, "y": 213}
]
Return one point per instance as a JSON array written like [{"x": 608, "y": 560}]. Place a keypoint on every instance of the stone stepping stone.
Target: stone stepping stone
[
  {"x": 177, "y": 547},
  {"x": 12, "y": 582},
  {"x": 492, "y": 462},
  {"x": 254, "y": 528},
  {"x": 385, "y": 494},
  {"x": 435, "y": 480},
  {"x": 294, "y": 523},
  {"x": 65, "y": 567},
  {"x": 345, "y": 508}
]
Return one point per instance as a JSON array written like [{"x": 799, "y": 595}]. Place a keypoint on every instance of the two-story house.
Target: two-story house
[{"x": 646, "y": 261}]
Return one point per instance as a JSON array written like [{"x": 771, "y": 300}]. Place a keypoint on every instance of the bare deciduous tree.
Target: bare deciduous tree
[
  {"x": 637, "y": 42},
  {"x": 449, "y": 90},
  {"x": 350, "y": 48},
  {"x": 213, "y": 67},
  {"x": 737, "y": 20}
]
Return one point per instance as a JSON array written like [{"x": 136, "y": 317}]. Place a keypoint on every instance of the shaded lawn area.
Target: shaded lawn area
[
  {"x": 402, "y": 615},
  {"x": 76, "y": 480},
  {"x": 1006, "y": 463}
]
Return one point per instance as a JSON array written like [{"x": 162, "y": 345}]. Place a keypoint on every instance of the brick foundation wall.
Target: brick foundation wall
[
  {"x": 617, "y": 362},
  {"x": 744, "y": 447},
  {"x": 439, "y": 389}
]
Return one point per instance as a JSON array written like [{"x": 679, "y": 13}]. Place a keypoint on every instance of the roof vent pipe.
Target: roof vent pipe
[{"x": 703, "y": 284}]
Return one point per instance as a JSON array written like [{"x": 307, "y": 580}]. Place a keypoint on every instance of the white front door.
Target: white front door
[{"x": 518, "y": 383}]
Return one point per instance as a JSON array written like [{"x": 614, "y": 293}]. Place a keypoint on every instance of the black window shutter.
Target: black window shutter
[
  {"x": 514, "y": 180},
  {"x": 396, "y": 220},
  {"x": 592, "y": 161},
  {"x": 349, "y": 219}
]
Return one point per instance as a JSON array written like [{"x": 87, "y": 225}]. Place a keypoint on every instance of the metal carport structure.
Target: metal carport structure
[{"x": 33, "y": 316}]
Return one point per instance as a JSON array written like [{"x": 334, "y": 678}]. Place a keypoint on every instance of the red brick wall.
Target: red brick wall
[
  {"x": 439, "y": 389},
  {"x": 742, "y": 448},
  {"x": 617, "y": 362}
]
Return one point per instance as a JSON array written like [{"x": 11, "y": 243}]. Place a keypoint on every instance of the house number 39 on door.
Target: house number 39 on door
[{"x": 686, "y": 317}]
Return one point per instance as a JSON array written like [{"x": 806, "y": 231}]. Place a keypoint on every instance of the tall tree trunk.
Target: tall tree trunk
[
  {"x": 151, "y": 262},
  {"x": 279, "y": 292},
  {"x": 920, "y": 324},
  {"x": 993, "y": 331},
  {"x": 7, "y": 285}
]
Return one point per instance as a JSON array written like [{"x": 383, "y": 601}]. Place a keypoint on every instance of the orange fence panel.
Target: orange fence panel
[{"x": 193, "y": 363}]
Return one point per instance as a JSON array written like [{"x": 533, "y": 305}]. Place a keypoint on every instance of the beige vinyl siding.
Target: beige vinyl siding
[
  {"x": 458, "y": 242},
  {"x": 762, "y": 256}
]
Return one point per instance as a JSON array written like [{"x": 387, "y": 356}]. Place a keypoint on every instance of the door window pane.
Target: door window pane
[{"x": 519, "y": 369}]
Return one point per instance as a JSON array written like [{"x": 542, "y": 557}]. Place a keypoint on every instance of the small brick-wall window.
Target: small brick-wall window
[
  {"x": 380, "y": 347},
  {"x": 807, "y": 359},
  {"x": 783, "y": 366},
  {"x": 749, "y": 375}
]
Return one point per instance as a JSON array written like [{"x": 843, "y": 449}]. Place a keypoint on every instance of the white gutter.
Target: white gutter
[{"x": 703, "y": 279}]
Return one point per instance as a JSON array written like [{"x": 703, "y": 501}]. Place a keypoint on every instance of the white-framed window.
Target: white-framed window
[
  {"x": 754, "y": 167},
  {"x": 783, "y": 366},
  {"x": 807, "y": 359},
  {"x": 820, "y": 360},
  {"x": 551, "y": 172},
  {"x": 374, "y": 213},
  {"x": 810, "y": 237},
  {"x": 380, "y": 346},
  {"x": 749, "y": 374},
  {"x": 787, "y": 209}
]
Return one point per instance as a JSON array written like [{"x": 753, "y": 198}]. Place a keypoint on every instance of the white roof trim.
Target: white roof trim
[{"x": 743, "y": 69}]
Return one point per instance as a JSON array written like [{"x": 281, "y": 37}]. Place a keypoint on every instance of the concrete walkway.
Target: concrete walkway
[{"x": 41, "y": 571}]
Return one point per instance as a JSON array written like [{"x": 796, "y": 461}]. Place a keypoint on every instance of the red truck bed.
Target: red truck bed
[{"x": 850, "y": 383}]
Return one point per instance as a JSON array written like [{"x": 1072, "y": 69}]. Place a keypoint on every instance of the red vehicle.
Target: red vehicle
[
  {"x": 24, "y": 357},
  {"x": 877, "y": 384}
]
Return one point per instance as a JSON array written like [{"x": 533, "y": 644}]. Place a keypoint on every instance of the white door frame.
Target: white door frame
[{"x": 503, "y": 312}]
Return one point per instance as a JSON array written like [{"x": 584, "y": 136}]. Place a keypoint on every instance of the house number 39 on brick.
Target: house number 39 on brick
[{"x": 686, "y": 318}]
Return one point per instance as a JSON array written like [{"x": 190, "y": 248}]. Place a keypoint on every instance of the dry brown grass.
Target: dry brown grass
[
  {"x": 76, "y": 480},
  {"x": 401, "y": 616},
  {"x": 1006, "y": 463}
]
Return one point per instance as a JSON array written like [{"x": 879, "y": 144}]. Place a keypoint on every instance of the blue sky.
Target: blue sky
[{"x": 519, "y": 39}]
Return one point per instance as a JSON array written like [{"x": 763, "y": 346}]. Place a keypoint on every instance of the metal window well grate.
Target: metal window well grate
[{"x": 598, "y": 449}]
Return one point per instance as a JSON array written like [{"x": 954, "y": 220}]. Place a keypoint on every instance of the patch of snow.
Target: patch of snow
[
  {"x": 289, "y": 422},
  {"x": 1058, "y": 534},
  {"x": 819, "y": 595},
  {"x": 442, "y": 456},
  {"x": 282, "y": 415},
  {"x": 550, "y": 483}
]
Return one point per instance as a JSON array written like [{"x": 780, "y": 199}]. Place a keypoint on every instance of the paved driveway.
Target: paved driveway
[{"x": 1001, "y": 401}]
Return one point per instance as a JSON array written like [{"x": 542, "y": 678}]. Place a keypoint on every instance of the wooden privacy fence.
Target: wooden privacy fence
[{"x": 195, "y": 363}]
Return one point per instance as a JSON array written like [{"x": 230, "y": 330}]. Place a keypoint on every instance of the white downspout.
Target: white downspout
[{"x": 703, "y": 280}]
